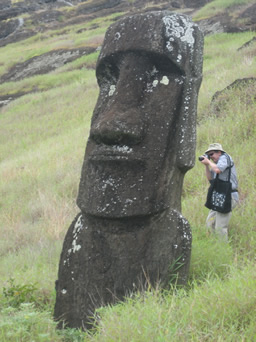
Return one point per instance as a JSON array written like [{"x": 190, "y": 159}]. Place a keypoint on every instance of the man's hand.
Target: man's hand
[{"x": 208, "y": 163}]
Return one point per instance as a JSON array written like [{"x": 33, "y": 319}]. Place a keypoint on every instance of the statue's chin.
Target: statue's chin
[
  {"x": 122, "y": 204},
  {"x": 120, "y": 190}
]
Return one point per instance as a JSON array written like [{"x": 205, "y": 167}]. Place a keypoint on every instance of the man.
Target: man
[{"x": 218, "y": 162}]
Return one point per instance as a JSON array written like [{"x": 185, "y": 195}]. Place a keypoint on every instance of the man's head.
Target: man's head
[
  {"x": 214, "y": 151},
  {"x": 142, "y": 138}
]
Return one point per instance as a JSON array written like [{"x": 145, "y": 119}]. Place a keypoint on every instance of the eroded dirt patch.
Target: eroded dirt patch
[
  {"x": 44, "y": 63},
  {"x": 245, "y": 89}
]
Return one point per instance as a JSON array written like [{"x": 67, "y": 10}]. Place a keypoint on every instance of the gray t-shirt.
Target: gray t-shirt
[{"x": 223, "y": 164}]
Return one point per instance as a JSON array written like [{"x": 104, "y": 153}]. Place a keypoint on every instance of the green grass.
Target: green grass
[
  {"x": 216, "y": 7},
  {"x": 215, "y": 310},
  {"x": 35, "y": 118},
  {"x": 42, "y": 142},
  {"x": 27, "y": 324},
  {"x": 218, "y": 69}
]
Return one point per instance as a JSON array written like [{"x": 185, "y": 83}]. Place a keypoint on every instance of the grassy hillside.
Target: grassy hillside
[{"x": 42, "y": 142}]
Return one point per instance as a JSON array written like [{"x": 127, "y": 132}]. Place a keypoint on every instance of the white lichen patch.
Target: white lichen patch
[
  {"x": 122, "y": 148},
  {"x": 153, "y": 72},
  {"x": 75, "y": 246},
  {"x": 186, "y": 236},
  {"x": 117, "y": 36},
  {"x": 112, "y": 89},
  {"x": 78, "y": 226},
  {"x": 179, "y": 80},
  {"x": 174, "y": 29},
  {"x": 64, "y": 291},
  {"x": 165, "y": 80},
  {"x": 150, "y": 86},
  {"x": 155, "y": 83},
  {"x": 108, "y": 182}
]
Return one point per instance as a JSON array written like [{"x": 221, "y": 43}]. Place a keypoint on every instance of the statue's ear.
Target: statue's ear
[
  {"x": 186, "y": 125},
  {"x": 186, "y": 128}
]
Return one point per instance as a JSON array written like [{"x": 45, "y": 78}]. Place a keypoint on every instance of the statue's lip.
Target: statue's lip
[
  {"x": 113, "y": 152},
  {"x": 109, "y": 158}
]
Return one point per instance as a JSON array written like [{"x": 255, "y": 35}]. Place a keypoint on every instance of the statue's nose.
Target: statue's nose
[
  {"x": 118, "y": 127},
  {"x": 120, "y": 119}
]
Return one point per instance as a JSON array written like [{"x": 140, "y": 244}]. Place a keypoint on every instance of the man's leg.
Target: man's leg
[
  {"x": 221, "y": 225},
  {"x": 218, "y": 222},
  {"x": 222, "y": 221}
]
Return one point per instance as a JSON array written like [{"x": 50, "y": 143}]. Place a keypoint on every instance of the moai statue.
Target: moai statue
[{"x": 130, "y": 231}]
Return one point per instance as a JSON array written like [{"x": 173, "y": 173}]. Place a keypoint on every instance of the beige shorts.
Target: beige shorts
[{"x": 218, "y": 222}]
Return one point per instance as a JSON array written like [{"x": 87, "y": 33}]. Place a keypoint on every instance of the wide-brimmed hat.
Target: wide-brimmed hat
[{"x": 214, "y": 147}]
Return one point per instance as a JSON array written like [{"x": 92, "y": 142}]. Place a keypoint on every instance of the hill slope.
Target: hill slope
[{"x": 71, "y": 20}]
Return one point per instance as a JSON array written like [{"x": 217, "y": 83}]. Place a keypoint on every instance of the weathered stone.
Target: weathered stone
[
  {"x": 5, "y": 4},
  {"x": 8, "y": 27},
  {"x": 142, "y": 142}
]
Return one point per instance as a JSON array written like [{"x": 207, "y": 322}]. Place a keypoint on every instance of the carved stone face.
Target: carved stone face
[{"x": 130, "y": 166}]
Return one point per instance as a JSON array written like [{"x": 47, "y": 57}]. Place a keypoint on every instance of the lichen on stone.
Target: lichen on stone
[{"x": 174, "y": 30}]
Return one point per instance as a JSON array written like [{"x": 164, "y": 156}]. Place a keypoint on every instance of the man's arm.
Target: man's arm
[{"x": 209, "y": 164}]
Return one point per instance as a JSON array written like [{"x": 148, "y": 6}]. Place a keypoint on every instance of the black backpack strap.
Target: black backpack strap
[{"x": 228, "y": 167}]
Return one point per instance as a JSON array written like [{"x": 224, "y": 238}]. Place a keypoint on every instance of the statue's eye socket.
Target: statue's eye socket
[
  {"x": 108, "y": 72},
  {"x": 157, "y": 65},
  {"x": 165, "y": 66}
]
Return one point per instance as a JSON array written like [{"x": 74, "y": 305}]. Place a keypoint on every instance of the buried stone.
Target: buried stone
[{"x": 142, "y": 142}]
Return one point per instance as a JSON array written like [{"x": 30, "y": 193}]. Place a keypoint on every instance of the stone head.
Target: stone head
[{"x": 143, "y": 130}]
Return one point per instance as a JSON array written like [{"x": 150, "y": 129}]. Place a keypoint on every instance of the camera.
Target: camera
[{"x": 203, "y": 156}]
